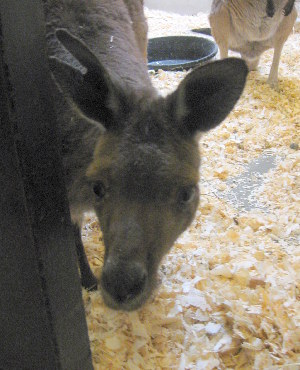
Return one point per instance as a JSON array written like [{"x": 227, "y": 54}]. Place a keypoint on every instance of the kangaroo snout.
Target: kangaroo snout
[{"x": 122, "y": 282}]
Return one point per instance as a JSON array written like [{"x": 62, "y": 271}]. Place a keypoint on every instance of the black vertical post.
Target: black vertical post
[{"x": 42, "y": 322}]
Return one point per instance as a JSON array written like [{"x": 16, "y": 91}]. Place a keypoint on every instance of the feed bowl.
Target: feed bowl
[{"x": 173, "y": 53}]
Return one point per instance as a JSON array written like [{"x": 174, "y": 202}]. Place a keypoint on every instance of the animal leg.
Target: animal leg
[
  {"x": 223, "y": 51},
  {"x": 273, "y": 76},
  {"x": 220, "y": 28},
  {"x": 88, "y": 279},
  {"x": 280, "y": 38}
]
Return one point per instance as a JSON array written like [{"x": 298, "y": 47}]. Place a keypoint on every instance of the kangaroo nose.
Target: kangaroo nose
[{"x": 123, "y": 282}]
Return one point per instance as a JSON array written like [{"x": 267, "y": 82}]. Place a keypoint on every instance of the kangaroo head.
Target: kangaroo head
[{"x": 145, "y": 171}]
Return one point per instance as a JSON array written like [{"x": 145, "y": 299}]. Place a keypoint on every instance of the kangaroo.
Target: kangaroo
[
  {"x": 251, "y": 27},
  {"x": 270, "y": 10},
  {"x": 129, "y": 154}
]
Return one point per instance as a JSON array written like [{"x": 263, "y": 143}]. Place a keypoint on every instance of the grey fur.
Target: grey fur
[{"x": 129, "y": 154}]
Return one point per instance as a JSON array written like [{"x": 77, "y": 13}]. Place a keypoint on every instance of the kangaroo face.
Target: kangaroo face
[
  {"x": 145, "y": 184},
  {"x": 145, "y": 169}
]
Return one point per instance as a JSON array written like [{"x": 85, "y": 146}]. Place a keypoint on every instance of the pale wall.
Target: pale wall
[{"x": 184, "y": 7}]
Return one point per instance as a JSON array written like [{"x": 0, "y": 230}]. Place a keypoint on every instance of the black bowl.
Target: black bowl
[{"x": 173, "y": 53}]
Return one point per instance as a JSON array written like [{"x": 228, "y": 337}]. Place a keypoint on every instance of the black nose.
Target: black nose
[{"x": 123, "y": 281}]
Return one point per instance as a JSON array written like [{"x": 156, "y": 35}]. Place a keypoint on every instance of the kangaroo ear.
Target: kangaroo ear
[
  {"x": 207, "y": 95},
  {"x": 90, "y": 89}
]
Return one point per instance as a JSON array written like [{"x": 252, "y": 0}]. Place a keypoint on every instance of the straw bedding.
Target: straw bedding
[{"x": 229, "y": 296}]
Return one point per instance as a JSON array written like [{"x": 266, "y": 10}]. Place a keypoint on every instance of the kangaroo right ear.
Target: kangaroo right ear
[{"x": 92, "y": 91}]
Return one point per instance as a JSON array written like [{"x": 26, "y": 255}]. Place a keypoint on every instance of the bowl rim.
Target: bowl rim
[{"x": 184, "y": 65}]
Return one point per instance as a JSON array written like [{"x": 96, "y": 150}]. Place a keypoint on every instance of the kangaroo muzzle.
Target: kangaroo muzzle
[{"x": 123, "y": 281}]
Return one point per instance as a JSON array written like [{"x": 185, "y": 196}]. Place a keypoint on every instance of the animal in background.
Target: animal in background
[
  {"x": 251, "y": 27},
  {"x": 129, "y": 154}
]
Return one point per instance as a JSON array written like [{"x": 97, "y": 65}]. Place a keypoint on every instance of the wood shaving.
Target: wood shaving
[{"x": 230, "y": 294}]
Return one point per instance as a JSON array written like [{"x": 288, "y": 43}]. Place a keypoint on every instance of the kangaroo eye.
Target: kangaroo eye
[
  {"x": 99, "y": 189},
  {"x": 187, "y": 194}
]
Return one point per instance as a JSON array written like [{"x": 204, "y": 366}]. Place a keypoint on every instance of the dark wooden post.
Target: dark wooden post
[{"x": 42, "y": 322}]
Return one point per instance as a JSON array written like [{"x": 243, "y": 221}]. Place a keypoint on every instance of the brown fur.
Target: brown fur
[{"x": 245, "y": 26}]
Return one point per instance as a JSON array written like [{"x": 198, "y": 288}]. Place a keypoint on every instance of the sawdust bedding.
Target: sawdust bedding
[{"x": 229, "y": 296}]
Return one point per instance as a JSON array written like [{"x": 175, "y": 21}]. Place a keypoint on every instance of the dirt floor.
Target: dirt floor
[{"x": 230, "y": 293}]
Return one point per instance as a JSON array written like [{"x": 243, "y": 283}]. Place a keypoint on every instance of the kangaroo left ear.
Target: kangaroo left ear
[{"x": 207, "y": 95}]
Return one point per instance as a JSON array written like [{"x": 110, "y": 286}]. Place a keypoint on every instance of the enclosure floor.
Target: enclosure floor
[{"x": 229, "y": 296}]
